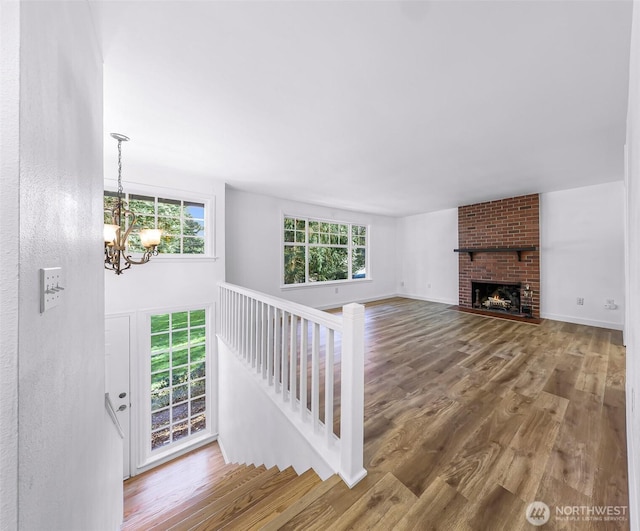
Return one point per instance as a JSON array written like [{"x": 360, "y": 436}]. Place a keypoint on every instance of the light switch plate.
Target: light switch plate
[{"x": 51, "y": 289}]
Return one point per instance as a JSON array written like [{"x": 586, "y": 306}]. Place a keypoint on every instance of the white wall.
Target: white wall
[
  {"x": 427, "y": 265},
  {"x": 254, "y": 227},
  {"x": 9, "y": 236},
  {"x": 65, "y": 454},
  {"x": 632, "y": 333},
  {"x": 253, "y": 429},
  {"x": 582, "y": 254}
]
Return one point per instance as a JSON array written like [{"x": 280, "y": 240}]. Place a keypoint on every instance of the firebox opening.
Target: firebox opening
[{"x": 496, "y": 297}]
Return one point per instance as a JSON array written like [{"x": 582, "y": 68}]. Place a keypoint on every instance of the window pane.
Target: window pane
[
  {"x": 179, "y": 376},
  {"x": 194, "y": 210},
  {"x": 328, "y": 263},
  {"x": 170, "y": 226},
  {"x": 197, "y": 371},
  {"x": 160, "y": 323},
  {"x": 159, "y": 419},
  {"x": 198, "y": 424},
  {"x": 289, "y": 236},
  {"x": 193, "y": 245},
  {"x": 197, "y": 388},
  {"x": 179, "y": 320},
  {"x": 293, "y": 264},
  {"x": 301, "y": 224},
  {"x": 160, "y": 362},
  {"x": 169, "y": 244},
  {"x": 197, "y": 318},
  {"x": 180, "y": 357},
  {"x": 169, "y": 207},
  {"x": 159, "y": 342},
  {"x": 141, "y": 204},
  {"x": 145, "y": 222},
  {"x": 359, "y": 263},
  {"x": 180, "y": 338},
  {"x": 193, "y": 227},
  {"x": 198, "y": 353},
  {"x": 159, "y": 399},
  {"x": 160, "y": 438},
  {"x": 198, "y": 405},
  {"x": 179, "y": 431},
  {"x": 198, "y": 335},
  {"x": 289, "y": 224},
  {"x": 159, "y": 380},
  {"x": 180, "y": 393},
  {"x": 180, "y": 412}
]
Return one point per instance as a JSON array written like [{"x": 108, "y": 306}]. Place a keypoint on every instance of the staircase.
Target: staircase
[{"x": 239, "y": 497}]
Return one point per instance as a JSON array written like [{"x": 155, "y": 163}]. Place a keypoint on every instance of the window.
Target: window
[
  {"x": 323, "y": 251},
  {"x": 178, "y": 362},
  {"x": 182, "y": 222}
]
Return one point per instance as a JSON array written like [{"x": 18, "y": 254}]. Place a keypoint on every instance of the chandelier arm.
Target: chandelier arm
[{"x": 145, "y": 257}]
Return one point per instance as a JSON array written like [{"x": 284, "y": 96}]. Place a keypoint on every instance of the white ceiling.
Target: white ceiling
[{"x": 389, "y": 107}]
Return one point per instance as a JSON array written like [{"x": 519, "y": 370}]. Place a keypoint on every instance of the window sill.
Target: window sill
[{"x": 326, "y": 283}]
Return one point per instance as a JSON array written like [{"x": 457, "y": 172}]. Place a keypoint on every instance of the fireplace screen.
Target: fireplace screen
[{"x": 496, "y": 296}]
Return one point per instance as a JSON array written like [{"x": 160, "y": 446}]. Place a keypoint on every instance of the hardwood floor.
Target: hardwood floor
[{"x": 468, "y": 419}]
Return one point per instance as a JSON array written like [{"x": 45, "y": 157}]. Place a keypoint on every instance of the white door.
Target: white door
[{"x": 117, "y": 377}]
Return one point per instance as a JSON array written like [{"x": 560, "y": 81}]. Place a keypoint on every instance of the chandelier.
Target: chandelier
[{"x": 116, "y": 233}]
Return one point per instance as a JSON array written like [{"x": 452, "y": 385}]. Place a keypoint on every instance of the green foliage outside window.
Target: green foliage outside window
[
  {"x": 181, "y": 222},
  {"x": 319, "y": 251},
  {"x": 178, "y": 376}
]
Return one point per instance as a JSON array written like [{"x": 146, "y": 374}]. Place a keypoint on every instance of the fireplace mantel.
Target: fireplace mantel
[{"x": 517, "y": 250}]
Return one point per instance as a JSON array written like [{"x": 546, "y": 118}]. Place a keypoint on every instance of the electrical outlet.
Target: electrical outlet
[
  {"x": 611, "y": 304},
  {"x": 402, "y": 283},
  {"x": 580, "y": 301},
  {"x": 336, "y": 290},
  {"x": 429, "y": 285}
]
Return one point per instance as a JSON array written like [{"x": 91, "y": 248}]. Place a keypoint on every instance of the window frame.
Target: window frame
[
  {"x": 146, "y": 457},
  {"x": 350, "y": 248},
  {"x": 207, "y": 200}
]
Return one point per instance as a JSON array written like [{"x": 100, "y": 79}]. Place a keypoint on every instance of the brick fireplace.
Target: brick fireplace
[{"x": 499, "y": 245}]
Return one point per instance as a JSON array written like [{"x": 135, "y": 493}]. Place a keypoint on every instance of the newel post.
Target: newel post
[{"x": 352, "y": 399}]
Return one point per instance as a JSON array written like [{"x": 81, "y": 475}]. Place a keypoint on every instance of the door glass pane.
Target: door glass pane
[{"x": 179, "y": 367}]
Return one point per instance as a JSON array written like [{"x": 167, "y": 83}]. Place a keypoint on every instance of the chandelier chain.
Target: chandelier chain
[{"x": 119, "y": 168}]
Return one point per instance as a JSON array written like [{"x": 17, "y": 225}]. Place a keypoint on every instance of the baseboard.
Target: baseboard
[
  {"x": 427, "y": 299},
  {"x": 359, "y": 301},
  {"x": 582, "y": 321},
  {"x": 225, "y": 455}
]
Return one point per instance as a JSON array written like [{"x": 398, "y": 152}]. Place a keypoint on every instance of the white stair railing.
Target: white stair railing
[{"x": 313, "y": 364}]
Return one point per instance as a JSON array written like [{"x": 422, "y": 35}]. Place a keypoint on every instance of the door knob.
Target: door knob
[
  {"x": 122, "y": 407},
  {"x": 122, "y": 395}
]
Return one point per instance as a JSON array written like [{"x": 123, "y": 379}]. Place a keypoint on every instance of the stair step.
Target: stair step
[
  {"x": 274, "y": 504},
  {"x": 217, "y": 514}
]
